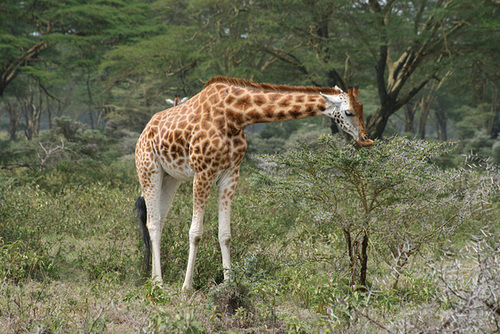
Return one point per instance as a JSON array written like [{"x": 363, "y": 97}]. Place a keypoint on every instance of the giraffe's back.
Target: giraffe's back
[{"x": 187, "y": 139}]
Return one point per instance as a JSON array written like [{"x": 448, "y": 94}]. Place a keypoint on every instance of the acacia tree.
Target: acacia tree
[
  {"x": 430, "y": 30},
  {"x": 20, "y": 36},
  {"x": 393, "y": 45},
  {"x": 195, "y": 42},
  {"x": 41, "y": 39},
  {"x": 398, "y": 45},
  {"x": 425, "y": 102},
  {"x": 389, "y": 199}
]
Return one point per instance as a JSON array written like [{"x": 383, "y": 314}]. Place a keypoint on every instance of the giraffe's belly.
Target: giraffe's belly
[{"x": 179, "y": 169}]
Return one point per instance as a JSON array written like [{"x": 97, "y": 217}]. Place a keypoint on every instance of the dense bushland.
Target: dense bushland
[
  {"x": 326, "y": 238},
  {"x": 401, "y": 237}
]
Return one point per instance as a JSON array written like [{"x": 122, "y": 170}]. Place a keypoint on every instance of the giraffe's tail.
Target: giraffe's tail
[{"x": 141, "y": 212}]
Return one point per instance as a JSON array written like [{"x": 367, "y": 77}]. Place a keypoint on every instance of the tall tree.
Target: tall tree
[
  {"x": 406, "y": 43},
  {"x": 425, "y": 103},
  {"x": 408, "y": 34},
  {"x": 21, "y": 37},
  {"x": 35, "y": 33},
  {"x": 469, "y": 75},
  {"x": 14, "y": 115},
  {"x": 398, "y": 46}
]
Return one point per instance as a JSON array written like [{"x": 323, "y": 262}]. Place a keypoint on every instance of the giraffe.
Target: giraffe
[{"x": 203, "y": 140}]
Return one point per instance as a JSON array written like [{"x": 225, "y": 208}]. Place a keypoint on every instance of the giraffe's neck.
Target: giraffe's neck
[{"x": 249, "y": 105}]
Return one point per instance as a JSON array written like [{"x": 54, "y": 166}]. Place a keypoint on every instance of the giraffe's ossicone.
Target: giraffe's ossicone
[{"x": 203, "y": 140}]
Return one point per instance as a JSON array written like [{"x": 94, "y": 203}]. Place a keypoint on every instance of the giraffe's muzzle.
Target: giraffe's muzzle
[{"x": 364, "y": 141}]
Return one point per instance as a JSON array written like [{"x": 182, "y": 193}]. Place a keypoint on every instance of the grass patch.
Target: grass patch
[{"x": 70, "y": 255}]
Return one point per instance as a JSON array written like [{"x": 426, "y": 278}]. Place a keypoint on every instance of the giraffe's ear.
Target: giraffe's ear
[{"x": 331, "y": 100}]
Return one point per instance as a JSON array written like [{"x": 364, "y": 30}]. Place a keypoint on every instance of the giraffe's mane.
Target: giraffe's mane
[{"x": 271, "y": 87}]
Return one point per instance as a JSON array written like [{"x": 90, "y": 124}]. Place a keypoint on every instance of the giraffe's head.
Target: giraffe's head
[{"x": 347, "y": 112}]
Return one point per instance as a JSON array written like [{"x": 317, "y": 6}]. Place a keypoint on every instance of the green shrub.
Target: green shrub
[
  {"x": 388, "y": 197},
  {"x": 233, "y": 295},
  {"x": 481, "y": 143},
  {"x": 67, "y": 127},
  {"x": 35, "y": 222},
  {"x": 107, "y": 260},
  {"x": 24, "y": 251},
  {"x": 162, "y": 321},
  {"x": 18, "y": 261},
  {"x": 467, "y": 286}
]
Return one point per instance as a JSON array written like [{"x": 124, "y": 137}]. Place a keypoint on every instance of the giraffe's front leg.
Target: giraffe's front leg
[
  {"x": 201, "y": 189},
  {"x": 227, "y": 186}
]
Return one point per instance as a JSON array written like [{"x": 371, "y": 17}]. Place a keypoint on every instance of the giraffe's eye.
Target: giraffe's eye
[{"x": 349, "y": 113}]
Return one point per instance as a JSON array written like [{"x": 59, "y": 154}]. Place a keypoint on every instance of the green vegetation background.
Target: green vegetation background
[
  {"x": 401, "y": 238},
  {"x": 71, "y": 251}
]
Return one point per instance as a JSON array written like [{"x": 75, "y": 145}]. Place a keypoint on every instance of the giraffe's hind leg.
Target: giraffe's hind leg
[
  {"x": 151, "y": 191},
  {"x": 168, "y": 190},
  {"x": 158, "y": 195}
]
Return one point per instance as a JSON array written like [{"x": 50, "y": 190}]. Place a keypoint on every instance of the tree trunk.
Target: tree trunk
[
  {"x": 13, "y": 125},
  {"x": 352, "y": 258},
  {"x": 493, "y": 125},
  {"x": 358, "y": 259},
  {"x": 14, "y": 117},
  {"x": 39, "y": 109},
  {"x": 378, "y": 122},
  {"x": 32, "y": 114},
  {"x": 410, "y": 110},
  {"x": 28, "y": 116},
  {"x": 441, "y": 122},
  {"x": 393, "y": 73},
  {"x": 363, "y": 261},
  {"x": 27, "y": 104},
  {"x": 49, "y": 113},
  {"x": 425, "y": 108}
]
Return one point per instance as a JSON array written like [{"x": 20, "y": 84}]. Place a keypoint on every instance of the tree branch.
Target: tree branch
[
  {"x": 403, "y": 100},
  {"x": 10, "y": 72}
]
